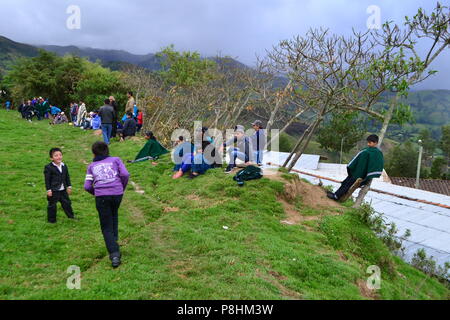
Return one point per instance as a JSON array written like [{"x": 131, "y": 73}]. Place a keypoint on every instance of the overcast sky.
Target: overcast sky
[{"x": 239, "y": 28}]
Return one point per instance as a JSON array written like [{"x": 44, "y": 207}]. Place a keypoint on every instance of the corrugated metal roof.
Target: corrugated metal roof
[
  {"x": 432, "y": 185},
  {"x": 429, "y": 224}
]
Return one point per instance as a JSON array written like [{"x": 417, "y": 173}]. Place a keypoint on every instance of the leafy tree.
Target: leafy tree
[
  {"x": 185, "y": 68},
  {"x": 97, "y": 83},
  {"x": 402, "y": 161},
  {"x": 62, "y": 80},
  {"x": 445, "y": 140},
  {"x": 438, "y": 167},
  {"x": 428, "y": 143},
  {"x": 347, "y": 126}
]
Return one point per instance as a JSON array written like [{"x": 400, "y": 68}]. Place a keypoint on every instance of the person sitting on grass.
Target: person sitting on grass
[
  {"x": 60, "y": 118},
  {"x": 129, "y": 127},
  {"x": 197, "y": 164},
  {"x": 366, "y": 165},
  {"x": 57, "y": 182},
  {"x": 96, "y": 121},
  {"x": 152, "y": 149},
  {"x": 239, "y": 147},
  {"x": 182, "y": 147},
  {"x": 107, "y": 179}
]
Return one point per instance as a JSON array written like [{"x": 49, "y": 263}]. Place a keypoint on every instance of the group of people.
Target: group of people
[
  {"x": 42, "y": 109},
  {"x": 107, "y": 119},
  {"x": 197, "y": 159},
  {"x": 107, "y": 177}
]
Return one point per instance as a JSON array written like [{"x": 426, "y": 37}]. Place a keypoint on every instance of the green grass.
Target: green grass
[{"x": 173, "y": 242}]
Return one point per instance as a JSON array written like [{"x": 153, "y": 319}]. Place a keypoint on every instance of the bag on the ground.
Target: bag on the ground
[{"x": 246, "y": 174}]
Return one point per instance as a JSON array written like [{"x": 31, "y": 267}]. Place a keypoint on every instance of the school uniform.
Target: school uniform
[
  {"x": 57, "y": 180},
  {"x": 366, "y": 165}
]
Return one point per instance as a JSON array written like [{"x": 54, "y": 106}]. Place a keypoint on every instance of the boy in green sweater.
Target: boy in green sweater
[{"x": 366, "y": 165}]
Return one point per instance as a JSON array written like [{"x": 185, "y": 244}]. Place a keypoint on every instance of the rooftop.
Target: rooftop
[{"x": 432, "y": 185}]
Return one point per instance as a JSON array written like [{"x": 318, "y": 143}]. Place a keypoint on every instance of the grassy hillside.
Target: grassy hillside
[{"x": 173, "y": 242}]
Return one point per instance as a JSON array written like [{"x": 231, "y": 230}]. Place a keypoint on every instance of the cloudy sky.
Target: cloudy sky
[{"x": 239, "y": 28}]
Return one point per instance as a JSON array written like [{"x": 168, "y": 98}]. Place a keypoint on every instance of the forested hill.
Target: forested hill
[
  {"x": 431, "y": 110},
  {"x": 10, "y": 51}
]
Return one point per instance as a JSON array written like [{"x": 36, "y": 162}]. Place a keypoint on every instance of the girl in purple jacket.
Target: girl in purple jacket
[{"x": 107, "y": 179}]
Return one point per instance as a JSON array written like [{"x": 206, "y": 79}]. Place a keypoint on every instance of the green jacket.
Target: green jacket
[
  {"x": 43, "y": 107},
  {"x": 367, "y": 164},
  {"x": 151, "y": 149}
]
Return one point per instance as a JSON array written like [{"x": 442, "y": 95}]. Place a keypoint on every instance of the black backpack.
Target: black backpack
[{"x": 248, "y": 173}]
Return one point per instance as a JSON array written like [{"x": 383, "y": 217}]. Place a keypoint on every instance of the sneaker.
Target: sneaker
[
  {"x": 228, "y": 169},
  {"x": 115, "y": 262},
  {"x": 192, "y": 176},
  {"x": 331, "y": 195}
]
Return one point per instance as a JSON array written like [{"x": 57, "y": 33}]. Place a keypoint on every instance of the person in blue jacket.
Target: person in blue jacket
[{"x": 96, "y": 121}]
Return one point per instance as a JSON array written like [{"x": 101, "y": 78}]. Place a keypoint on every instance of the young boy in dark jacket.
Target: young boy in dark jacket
[
  {"x": 366, "y": 165},
  {"x": 57, "y": 182},
  {"x": 107, "y": 179}
]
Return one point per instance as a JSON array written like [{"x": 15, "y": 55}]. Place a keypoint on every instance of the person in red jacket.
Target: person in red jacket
[{"x": 140, "y": 120}]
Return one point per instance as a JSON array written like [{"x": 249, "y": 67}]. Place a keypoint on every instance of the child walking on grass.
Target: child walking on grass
[
  {"x": 107, "y": 179},
  {"x": 57, "y": 182}
]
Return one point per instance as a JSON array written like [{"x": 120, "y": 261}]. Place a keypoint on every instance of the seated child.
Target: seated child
[
  {"x": 129, "y": 127},
  {"x": 151, "y": 150},
  {"x": 107, "y": 179},
  {"x": 367, "y": 164},
  {"x": 96, "y": 121},
  {"x": 197, "y": 164},
  {"x": 57, "y": 182},
  {"x": 181, "y": 148}
]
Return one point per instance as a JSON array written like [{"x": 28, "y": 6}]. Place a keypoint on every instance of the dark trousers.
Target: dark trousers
[
  {"x": 108, "y": 209},
  {"x": 114, "y": 128},
  {"x": 345, "y": 186},
  {"x": 59, "y": 196}
]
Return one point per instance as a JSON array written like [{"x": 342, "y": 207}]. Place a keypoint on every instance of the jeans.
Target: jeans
[
  {"x": 58, "y": 196},
  {"x": 106, "y": 130},
  {"x": 235, "y": 153},
  {"x": 258, "y": 156},
  {"x": 108, "y": 213}
]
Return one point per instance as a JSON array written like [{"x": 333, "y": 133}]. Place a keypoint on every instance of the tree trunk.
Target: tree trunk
[
  {"x": 277, "y": 106},
  {"x": 283, "y": 129},
  {"x": 297, "y": 145},
  {"x": 362, "y": 194},
  {"x": 387, "y": 119},
  {"x": 300, "y": 152}
]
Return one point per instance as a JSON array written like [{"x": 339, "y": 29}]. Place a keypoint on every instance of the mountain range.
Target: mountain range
[{"x": 113, "y": 59}]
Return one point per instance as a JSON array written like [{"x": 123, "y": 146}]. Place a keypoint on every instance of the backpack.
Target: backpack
[{"x": 246, "y": 174}]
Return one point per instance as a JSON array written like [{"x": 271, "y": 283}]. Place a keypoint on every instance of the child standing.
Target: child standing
[
  {"x": 107, "y": 179},
  {"x": 140, "y": 120},
  {"x": 57, "y": 182}
]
